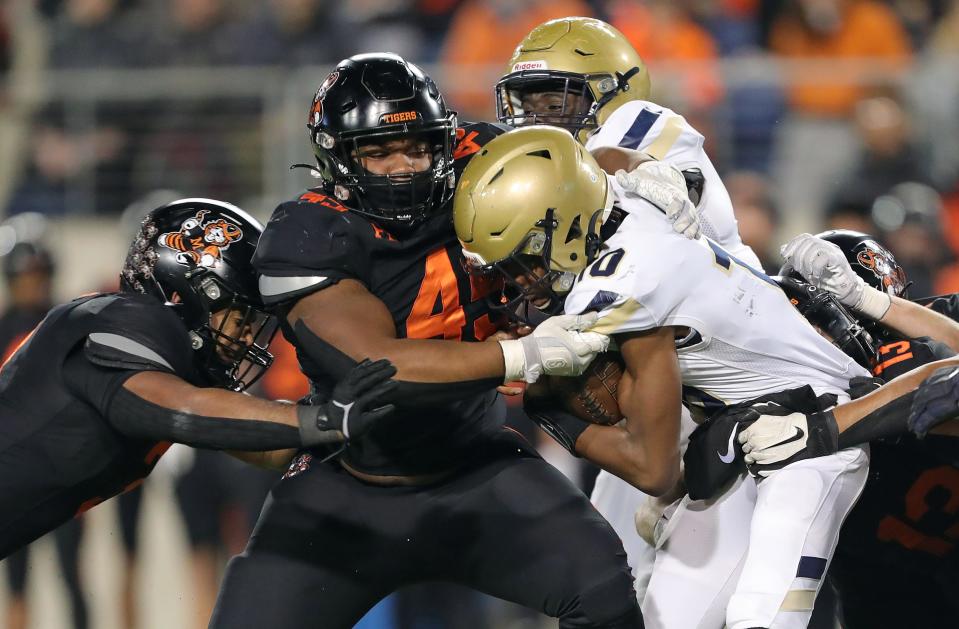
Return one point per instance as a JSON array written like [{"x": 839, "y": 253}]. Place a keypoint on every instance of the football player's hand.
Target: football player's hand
[
  {"x": 559, "y": 346},
  {"x": 774, "y": 441},
  {"x": 824, "y": 265},
  {"x": 664, "y": 186},
  {"x": 936, "y": 401},
  {"x": 354, "y": 406}
]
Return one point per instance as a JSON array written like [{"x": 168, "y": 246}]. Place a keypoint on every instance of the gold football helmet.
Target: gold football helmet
[
  {"x": 572, "y": 73},
  {"x": 529, "y": 205}
]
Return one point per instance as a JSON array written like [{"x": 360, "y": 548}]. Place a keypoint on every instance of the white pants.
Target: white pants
[
  {"x": 755, "y": 556},
  {"x": 617, "y": 501}
]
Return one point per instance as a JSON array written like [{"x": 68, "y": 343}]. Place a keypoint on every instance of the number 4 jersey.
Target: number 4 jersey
[
  {"x": 745, "y": 338},
  {"x": 314, "y": 241}
]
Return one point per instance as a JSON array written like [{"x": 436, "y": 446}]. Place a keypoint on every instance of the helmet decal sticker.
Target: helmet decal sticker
[{"x": 199, "y": 243}]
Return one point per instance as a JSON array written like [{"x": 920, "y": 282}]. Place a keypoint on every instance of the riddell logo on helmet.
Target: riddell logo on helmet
[
  {"x": 403, "y": 116},
  {"x": 529, "y": 65}
]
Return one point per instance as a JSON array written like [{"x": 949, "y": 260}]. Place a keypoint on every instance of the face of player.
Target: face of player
[
  {"x": 399, "y": 157},
  {"x": 527, "y": 273},
  {"x": 550, "y": 107},
  {"x": 236, "y": 324}
]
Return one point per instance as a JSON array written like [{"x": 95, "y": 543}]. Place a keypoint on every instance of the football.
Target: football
[{"x": 593, "y": 396}]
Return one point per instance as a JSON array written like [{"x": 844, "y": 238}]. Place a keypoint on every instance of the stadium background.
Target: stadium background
[{"x": 817, "y": 113}]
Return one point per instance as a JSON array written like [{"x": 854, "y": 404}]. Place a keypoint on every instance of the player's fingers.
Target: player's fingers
[
  {"x": 788, "y": 250},
  {"x": 375, "y": 373},
  {"x": 508, "y": 390},
  {"x": 379, "y": 413},
  {"x": 584, "y": 321},
  {"x": 370, "y": 398},
  {"x": 624, "y": 180},
  {"x": 749, "y": 459},
  {"x": 593, "y": 343}
]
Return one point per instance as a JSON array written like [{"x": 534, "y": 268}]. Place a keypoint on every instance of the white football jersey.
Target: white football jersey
[
  {"x": 746, "y": 338},
  {"x": 666, "y": 136}
]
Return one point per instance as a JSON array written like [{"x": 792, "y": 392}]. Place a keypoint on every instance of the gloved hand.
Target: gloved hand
[
  {"x": 664, "y": 186},
  {"x": 559, "y": 346},
  {"x": 774, "y": 441},
  {"x": 936, "y": 401},
  {"x": 353, "y": 408},
  {"x": 824, "y": 265}
]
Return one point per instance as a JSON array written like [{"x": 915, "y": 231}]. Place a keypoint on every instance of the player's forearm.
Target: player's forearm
[
  {"x": 614, "y": 449},
  {"x": 277, "y": 460},
  {"x": 849, "y": 414},
  {"x": 912, "y": 321}
]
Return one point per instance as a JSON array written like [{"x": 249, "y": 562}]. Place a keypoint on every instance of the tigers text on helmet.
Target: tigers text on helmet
[
  {"x": 195, "y": 256},
  {"x": 572, "y": 73},
  {"x": 527, "y": 210},
  {"x": 373, "y": 99},
  {"x": 831, "y": 319}
]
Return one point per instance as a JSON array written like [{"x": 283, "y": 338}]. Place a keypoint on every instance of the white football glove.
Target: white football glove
[
  {"x": 774, "y": 441},
  {"x": 664, "y": 186},
  {"x": 558, "y": 346},
  {"x": 824, "y": 265}
]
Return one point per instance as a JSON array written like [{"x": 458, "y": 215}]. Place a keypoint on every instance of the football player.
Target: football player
[
  {"x": 367, "y": 264},
  {"x": 897, "y": 556},
  {"x": 583, "y": 75},
  {"x": 97, "y": 392},
  {"x": 693, "y": 322},
  {"x": 864, "y": 276}
]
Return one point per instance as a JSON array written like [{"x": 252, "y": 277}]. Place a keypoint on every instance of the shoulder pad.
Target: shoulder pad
[
  {"x": 138, "y": 332},
  {"x": 309, "y": 243},
  {"x": 471, "y": 137}
]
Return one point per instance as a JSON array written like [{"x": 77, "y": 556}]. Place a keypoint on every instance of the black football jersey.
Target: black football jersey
[
  {"x": 58, "y": 455},
  {"x": 314, "y": 241},
  {"x": 908, "y": 514}
]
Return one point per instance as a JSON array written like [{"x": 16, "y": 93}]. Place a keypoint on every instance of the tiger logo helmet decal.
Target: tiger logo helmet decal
[
  {"x": 200, "y": 244},
  {"x": 889, "y": 274}
]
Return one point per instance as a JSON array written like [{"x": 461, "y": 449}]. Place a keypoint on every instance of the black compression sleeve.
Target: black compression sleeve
[
  {"x": 136, "y": 417},
  {"x": 407, "y": 394},
  {"x": 888, "y": 421}
]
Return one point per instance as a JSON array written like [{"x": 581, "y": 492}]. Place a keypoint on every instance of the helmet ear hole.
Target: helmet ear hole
[{"x": 575, "y": 231}]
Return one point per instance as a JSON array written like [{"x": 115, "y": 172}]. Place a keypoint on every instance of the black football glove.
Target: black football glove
[
  {"x": 936, "y": 401},
  {"x": 861, "y": 386},
  {"x": 353, "y": 408},
  {"x": 564, "y": 427}
]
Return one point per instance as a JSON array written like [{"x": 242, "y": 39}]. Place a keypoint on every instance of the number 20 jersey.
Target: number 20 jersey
[
  {"x": 745, "y": 340},
  {"x": 314, "y": 241}
]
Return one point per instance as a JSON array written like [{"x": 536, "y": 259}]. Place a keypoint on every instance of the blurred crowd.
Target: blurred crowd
[
  {"x": 815, "y": 108},
  {"x": 818, "y": 114}
]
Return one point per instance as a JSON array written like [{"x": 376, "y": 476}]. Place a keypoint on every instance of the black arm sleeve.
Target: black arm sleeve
[
  {"x": 407, "y": 394},
  {"x": 134, "y": 417},
  {"x": 888, "y": 421}
]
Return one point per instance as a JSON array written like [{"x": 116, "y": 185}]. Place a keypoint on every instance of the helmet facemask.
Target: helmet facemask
[
  {"x": 562, "y": 99},
  {"x": 396, "y": 201},
  {"x": 544, "y": 287},
  {"x": 233, "y": 335}
]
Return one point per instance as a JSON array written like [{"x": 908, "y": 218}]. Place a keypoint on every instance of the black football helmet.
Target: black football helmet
[
  {"x": 195, "y": 256},
  {"x": 371, "y": 99},
  {"x": 871, "y": 261},
  {"x": 831, "y": 318}
]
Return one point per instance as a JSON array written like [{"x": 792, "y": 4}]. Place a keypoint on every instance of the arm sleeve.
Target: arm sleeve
[
  {"x": 309, "y": 244},
  {"x": 102, "y": 387}
]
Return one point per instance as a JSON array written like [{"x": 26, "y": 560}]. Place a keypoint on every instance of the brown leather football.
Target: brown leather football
[{"x": 592, "y": 396}]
